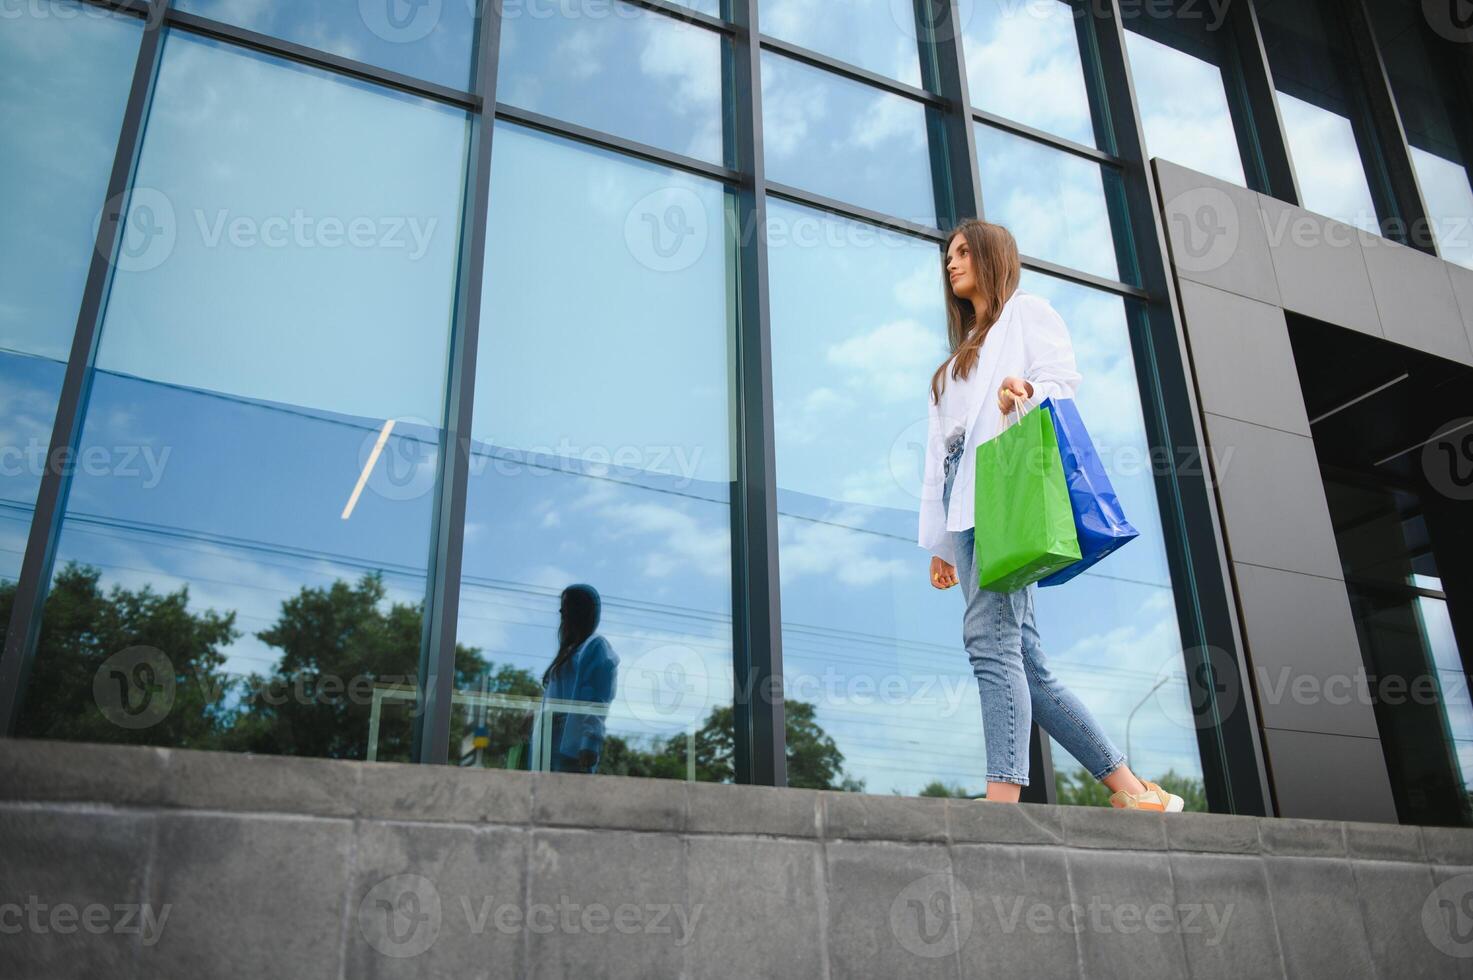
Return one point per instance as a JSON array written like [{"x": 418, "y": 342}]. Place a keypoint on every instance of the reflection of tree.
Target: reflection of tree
[
  {"x": 814, "y": 760},
  {"x": 336, "y": 643},
  {"x": 1079, "y": 788},
  {"x": 83, "y": 626}
]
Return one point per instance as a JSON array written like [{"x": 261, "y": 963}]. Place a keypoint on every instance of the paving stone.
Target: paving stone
[
  {"x": 75, "y": 882},
  {"x": 893, "y": 910},
  {"x": 249, "y": 896},
  {"x": 1020, "y": 905},
  {"x": 437, "y": 901},
  {"x": 1321, "y": 930},
  {"x": 761, "y": 908}
]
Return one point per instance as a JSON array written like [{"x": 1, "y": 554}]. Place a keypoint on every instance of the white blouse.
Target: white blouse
[{"x": 1029, "y": 341}]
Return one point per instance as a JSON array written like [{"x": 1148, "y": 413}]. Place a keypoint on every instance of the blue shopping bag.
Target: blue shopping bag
[{"x": 1098, "y": 519}]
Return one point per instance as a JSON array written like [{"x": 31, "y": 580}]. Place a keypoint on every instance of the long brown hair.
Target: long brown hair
[{"x": 997, "y": 269}]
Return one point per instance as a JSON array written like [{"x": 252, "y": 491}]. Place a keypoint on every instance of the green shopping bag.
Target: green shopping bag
[{"x": 1025, "y": 523}]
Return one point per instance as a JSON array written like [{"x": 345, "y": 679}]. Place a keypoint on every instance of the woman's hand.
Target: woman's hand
[
  {"x": 1012, "y": 391},
  {"x": 943, "y": 573}
]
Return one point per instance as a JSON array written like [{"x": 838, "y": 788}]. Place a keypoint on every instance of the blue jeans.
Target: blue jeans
[{"x": 1013, "y": 680}]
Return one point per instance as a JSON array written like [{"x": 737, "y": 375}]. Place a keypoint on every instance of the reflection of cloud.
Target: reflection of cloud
[
  {"x": 1184, "y": 109},
  {"x": 1053, "y": 201},
  {"x": 1328, "y": 162},
  {"x": 835, "y": 551},
  {"x": 1023, "y": 62},
  {"x": 887, "y": 361}
]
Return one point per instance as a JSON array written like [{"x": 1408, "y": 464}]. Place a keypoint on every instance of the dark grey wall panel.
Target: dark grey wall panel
[
  {"x": 1320, "y": 269},
  {"x": 1414, "y": 296},
  {"x": 1215, "y": 234},
  {"x": 1317, "y": 775},
  {"x": 1308, "y": 673},
  {"x": 1273, "y": 502},
  {"x": 1242, "y": 358}
]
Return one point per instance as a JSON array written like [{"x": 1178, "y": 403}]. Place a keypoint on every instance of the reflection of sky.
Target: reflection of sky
[
  {"x": 63, "y": 85},
  {"x": 846, "y": 140},
  {"x": 29, "y": 389},
  {"x": 862, "y": 32},
  {"x": 603, "y": 375},
  {"x": 1327, "y": 162},
  {"x": 618, "y": 68},
  {"x": 850, "y": 371},
  {"x": 1449, "y": 198},
  {"x": 1184, "y": 109},
  {"x": 1023, "y": 63},
  {"x": 1054, "y": 202},
  {"x": 303, "y": 318},
  {"x": 425, "y": 40}
]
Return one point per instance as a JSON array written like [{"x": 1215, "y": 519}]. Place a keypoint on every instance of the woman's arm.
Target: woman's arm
[{"x": 1051, "y": 371}]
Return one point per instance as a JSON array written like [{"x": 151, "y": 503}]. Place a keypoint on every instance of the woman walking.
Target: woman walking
[{"x": 1009, "y": 351}]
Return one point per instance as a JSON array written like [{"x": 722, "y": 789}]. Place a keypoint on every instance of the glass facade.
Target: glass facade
[
  {"x": 59, "y": 140},
  {"x": 1321, "y": 99},
  {"x": 1181, "y": 85},
  {"x": 1436, "y": 114},
  {"x": 323, "y": 287}
]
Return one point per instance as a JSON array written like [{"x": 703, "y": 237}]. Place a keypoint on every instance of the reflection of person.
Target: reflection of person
[
  {"x": 1008, "y": 349},
  {"x": 585, "y": 670}
]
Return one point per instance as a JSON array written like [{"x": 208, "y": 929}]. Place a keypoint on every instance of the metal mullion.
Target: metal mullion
[
  {"x": 431, "y": 737},
  {"x": 758, "y": 707},
  {"x": 24, "y": 630},
  {"x": 1260, "y": 127},
  {"x": 1048, "y": 139},
  {"x": 687, "y": 14},
  {"x": 619, "y": 144},
  {"x": 1234, "y": 772},
  {"x": 852, "y": 72},
  {"x": 1085, "y": 278},
  {"x": 139, "y": 7},
  {"x": 901, "y": 226},
  {"x": 318, "y": 58},
  {"x": 958, "y": 176},
  {"x": 1389, "y": 138},
  {"x": 843, "y": 209}
]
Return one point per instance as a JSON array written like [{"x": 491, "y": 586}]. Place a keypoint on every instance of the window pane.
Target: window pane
[
  {"x": 1184, "y": 107},
  {"x": 879, "y": 35},
  {"x": 1054, "y": 202},
  {"x": 1023, "y": 63},
  {"x": 1323, "y": 120},
  {"x": 601, "y": 454},
  {"x": 429, "y": 40},
  {"x": 846, "y": 140},
  {"x": 64, "y": 78},
  {"x": 1435, "y": 115},
  {"x": 850, "y": 363},
  {"x": 250, "y": 519},
  {"x": 1112, "y": 632},
  {"x": 618, "y": 68}
]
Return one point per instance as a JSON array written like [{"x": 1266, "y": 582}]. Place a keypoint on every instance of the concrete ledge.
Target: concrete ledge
[{"x": 257, "y": 865}]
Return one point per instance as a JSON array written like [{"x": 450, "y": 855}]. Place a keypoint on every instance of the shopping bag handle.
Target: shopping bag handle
[{"x": 1017, "y": 409}]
